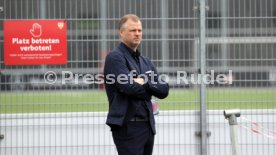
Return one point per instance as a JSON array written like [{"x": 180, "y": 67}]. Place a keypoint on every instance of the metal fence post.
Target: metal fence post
[
  {"x": 203, "y": 114},
  {"x": 224, "y": 26},
  {"x": 232, "y": 115},
  {"x": 164, "y": 34},
  {"x": 103, "y": 23}
]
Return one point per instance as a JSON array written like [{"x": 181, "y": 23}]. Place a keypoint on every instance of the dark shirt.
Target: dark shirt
[{"x": 141, "y": 108}]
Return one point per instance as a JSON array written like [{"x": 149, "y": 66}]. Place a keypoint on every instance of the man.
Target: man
[{"x": 130, "y": 81}]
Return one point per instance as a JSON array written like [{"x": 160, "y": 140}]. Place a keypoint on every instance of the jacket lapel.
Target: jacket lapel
[{"x": 132, "y": 65}]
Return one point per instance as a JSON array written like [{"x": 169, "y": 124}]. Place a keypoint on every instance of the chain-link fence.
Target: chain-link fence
[{"x": 230, "y": 44}]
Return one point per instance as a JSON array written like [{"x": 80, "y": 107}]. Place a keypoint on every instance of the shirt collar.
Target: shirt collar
[{"x": 134, "y": 54}]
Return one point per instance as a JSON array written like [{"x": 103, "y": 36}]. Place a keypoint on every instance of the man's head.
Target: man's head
[{"x": 130, "y": 30}]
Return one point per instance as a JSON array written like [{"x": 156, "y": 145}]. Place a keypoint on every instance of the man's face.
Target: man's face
[{"x": 131, "y": 33}]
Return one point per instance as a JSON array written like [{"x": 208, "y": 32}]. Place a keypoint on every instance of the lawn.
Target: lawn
[{"x": 92, "y": 100}]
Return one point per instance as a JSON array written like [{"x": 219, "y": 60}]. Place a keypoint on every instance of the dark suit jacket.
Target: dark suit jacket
[{"x": 124, "y": 97}]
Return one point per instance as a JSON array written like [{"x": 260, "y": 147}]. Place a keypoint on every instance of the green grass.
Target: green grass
[{"x": 92, "y": 100}]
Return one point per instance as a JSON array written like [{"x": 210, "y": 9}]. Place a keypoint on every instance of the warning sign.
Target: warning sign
[{"x": 35, "y": 42}]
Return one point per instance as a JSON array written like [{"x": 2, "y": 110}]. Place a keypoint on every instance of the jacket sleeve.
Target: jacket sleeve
[
  {"x": 116, "y": 72},
  {"x": 156, "y": 85}
]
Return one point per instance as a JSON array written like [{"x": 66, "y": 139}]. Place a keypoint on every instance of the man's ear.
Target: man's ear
[{"x": 120, "y": 31}]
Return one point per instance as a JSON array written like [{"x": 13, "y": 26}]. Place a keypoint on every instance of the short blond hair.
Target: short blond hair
[{"x": 125, "y": 18}]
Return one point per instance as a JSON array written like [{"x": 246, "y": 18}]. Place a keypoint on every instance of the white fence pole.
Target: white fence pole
[{"x": 232, "y": 115}]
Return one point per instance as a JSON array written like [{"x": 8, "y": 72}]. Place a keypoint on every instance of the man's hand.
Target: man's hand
[{"x": 139, "y": 80}]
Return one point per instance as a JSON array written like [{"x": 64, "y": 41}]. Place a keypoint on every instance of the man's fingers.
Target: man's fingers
[{"x": 139, "y": 80}]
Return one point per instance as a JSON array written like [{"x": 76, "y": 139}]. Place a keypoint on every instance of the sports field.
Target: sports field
[{"x": 92, "y": 100}]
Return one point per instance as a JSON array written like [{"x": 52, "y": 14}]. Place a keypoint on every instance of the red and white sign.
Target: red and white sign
[{"x": 35, "y": 42}]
